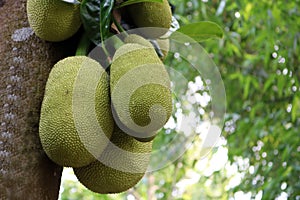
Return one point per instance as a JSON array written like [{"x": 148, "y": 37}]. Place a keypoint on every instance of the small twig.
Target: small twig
[
  {"x": 151, "y": 187},
  {"x": 174, "y": 181},
  {"x": 120, "y": 28},
  {"x": 134, "y": 193}
]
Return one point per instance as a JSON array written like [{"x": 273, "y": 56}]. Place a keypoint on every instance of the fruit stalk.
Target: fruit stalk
[{"x": 83, "y": 45}]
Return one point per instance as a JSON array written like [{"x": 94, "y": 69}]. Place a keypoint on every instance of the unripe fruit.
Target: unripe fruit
[
  {"x": 128, "y": 160},
  {"x": 140, "y": 91},
  {"x": 151, "y": 14},
  {"x": 163, "y": 44},
  {"x": 136, "y": 39},
  {"x": 53, "y": 20},
  {"x": 69, "y": 134}
]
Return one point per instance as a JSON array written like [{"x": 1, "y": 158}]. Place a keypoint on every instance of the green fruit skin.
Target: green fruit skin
[
  {"x": 151, "y": 14},
  {"x": 164, "y": 44},
  {"x": 104, "y": 179},
  {"x": 129, "y": 57},
  {"x": 53, "y": 20},
  {"x": 58, "y": 134},
  {"x": 136, "y": 39}
]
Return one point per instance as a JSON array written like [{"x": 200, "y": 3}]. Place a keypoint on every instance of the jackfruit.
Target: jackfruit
[
  {"x": 76, "y": 106},
  {"x": 140, "y": 91},
  {"x": 121, "y": 166},
  {"x": 163, "y": 44},
  {"x": 136, "y": 39},
  {"x": 151, "y": 14},
  {"x": 53, "y": 20}
]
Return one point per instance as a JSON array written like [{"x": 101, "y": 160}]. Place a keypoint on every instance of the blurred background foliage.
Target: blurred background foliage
[{"x": 258, "y": 155}]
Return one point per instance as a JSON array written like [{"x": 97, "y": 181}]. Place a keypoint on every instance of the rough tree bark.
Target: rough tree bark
[{"x": 25, "y": 170}]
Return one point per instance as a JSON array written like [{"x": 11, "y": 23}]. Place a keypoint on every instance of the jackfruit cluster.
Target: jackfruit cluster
[
  {"x": 103, "y": 125},
  {"x": 111, "y": 153}
]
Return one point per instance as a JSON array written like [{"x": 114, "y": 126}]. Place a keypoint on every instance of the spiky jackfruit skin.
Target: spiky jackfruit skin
[
  {"x": 163, "y": 44},
  {"x": 53, "y": 20},
  {"x": 58, "y": 130},
  {"x": 137, "y": 71},
  {"x": 136, "y": 39},
  {"x": 151, "y": 14},
  {"x": 128, "y": 161}
]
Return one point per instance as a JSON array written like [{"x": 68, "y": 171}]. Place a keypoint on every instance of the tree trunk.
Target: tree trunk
[{"x": 25, "y": 170}]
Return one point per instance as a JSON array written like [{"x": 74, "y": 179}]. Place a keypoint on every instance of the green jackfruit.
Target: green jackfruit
[
  {"x": 140, "y": 91},
  {"x": 69, "y": 134},
  {"x": 136, "y": 39},
  {"x": 128, "y": 161},
  {"x": 151, "y": 14},
  {"x": 163, "y": 44},
  {"x": 53, "y": 20}
]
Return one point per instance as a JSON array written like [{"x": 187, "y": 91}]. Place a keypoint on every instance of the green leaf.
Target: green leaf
[
  {"x": 96, "y": 19},
  {"x": 269, "y": 82},
  {"x": 129, "y": 2},
  {"x": 295, "y": 112},
  {"x": 234, "y": 76},
  {"x": 255, "y": 83},
  {"x": 200, "y": 31},
  {"x": 281, "y": 81},
  {"x": 246, "y": 87},
  {"x": 287, "y": 172}
]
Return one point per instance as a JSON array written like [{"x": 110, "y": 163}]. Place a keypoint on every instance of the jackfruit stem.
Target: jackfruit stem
[
  {"x": 83, "y": 45},
  {"x": 157, "y": 48},
  {"x": 120, "y": 28},
  {"x": 116, "y": 42},
  {"x": 108, "y": 56}
]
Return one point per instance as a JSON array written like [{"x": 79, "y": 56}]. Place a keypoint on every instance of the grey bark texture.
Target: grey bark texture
[{"x": 25, "y": 62}]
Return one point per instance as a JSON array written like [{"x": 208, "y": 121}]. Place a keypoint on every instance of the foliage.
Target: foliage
[
  {"x": 93, "y": 12},
  {"x": 201, "y": 31},
  {"x": 97, "y": 17},
  {"x": 258, "y": 59}
]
